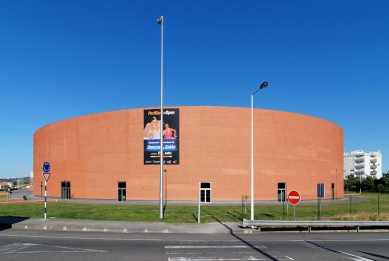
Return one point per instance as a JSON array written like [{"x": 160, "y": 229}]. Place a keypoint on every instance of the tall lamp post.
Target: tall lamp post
[
  {"x": 160, "y": 21},
  {"x": 263, "y": 85}
]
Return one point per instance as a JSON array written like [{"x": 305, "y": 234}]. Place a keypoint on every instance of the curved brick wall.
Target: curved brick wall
[{"x": 95, "y": 152}]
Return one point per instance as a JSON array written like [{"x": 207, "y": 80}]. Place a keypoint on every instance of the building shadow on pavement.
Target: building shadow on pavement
[
  {"x": 7, "y": 222},
  {"x": 242, "y": 240}
]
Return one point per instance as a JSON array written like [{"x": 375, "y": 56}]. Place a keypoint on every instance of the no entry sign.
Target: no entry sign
[{"x": 294, "y": 197}]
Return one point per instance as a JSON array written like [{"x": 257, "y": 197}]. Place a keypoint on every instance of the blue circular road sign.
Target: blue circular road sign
[{"x": 46, "y": 167}]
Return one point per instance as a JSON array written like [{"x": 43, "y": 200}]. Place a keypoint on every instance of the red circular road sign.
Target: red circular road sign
[{"x": 294, "y": 197}]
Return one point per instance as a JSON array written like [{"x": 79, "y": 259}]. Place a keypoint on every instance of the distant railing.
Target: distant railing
[{"x": 315, "y": 223}]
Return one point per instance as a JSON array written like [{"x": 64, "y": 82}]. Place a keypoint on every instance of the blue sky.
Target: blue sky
[{"x": 63, "y": 59}]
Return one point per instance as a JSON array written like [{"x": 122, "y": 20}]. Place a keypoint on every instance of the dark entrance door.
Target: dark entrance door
[
  {"x": 121, "y": 191},
  {"x": 65, "y": 190}
]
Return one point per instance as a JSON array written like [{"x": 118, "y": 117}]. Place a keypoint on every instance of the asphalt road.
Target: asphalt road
[{"x": 50, "y": 245}]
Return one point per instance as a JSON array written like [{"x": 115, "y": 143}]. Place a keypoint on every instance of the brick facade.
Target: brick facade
[{"x": 95, "y": 152}]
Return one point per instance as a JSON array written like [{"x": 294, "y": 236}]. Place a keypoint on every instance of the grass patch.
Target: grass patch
[{"x": 367, "y": 210}]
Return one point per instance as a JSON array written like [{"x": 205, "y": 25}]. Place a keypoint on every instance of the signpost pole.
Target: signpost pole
[
  {"x": 320, "y": 194},
  {"x": 198, "y": 214},
  {"x": 46, "y": 177},
  {"x": 45, "y": 199},
  {"x": 46, "y": 169},
  {"x": 319, "y": 208},
  {"x": 294, "y": 212},
  {"x": 287, "y": 208}
]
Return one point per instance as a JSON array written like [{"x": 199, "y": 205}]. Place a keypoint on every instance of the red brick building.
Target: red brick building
[{"x": 102, "y": 156}]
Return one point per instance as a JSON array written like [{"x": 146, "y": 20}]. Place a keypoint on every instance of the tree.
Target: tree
[
  {"x": 351, "y": 182},
  {"x": 383, "y": 183},
  {"x": 381, "y": 188},
  {"x": 368, "y": 184}
]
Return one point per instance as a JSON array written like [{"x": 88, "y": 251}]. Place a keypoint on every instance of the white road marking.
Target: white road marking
[
  {"x": 205, "y": 253},
  {"x": 212, "y": 259},
  {"x": 28, "y": 248},
  {"x": 207, "y": 247},
  {"x": 356, "y": 258},
  {"x": 341, "y": 253}
]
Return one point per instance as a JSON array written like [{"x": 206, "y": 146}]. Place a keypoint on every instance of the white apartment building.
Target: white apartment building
[{"x": 363, "y": 164}]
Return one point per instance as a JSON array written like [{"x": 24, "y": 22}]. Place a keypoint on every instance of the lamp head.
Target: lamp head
[{"x": 264, "y": 85}]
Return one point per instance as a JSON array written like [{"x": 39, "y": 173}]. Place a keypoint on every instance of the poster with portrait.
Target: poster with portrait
[{"x": 152, "y": 136}]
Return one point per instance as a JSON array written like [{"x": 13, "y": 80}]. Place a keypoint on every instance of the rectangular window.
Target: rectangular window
[
  {"x": 205, "y": 185},
  {"x": 205, "y": 192},
  {"x": 281, "y": 191}
]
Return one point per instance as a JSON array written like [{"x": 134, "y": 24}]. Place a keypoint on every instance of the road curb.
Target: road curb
[
  {"x": 52, "y": 224},
  {"x": 124, "y": 229}
]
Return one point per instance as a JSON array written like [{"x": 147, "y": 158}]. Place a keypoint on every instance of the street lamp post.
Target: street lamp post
[
  {"x": 263, "y": 85},
  {"x": 160, "y": 21}
]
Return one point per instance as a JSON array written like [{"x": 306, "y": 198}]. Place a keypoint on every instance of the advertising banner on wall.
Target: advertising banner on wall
[{"x": 151, "y": 136}]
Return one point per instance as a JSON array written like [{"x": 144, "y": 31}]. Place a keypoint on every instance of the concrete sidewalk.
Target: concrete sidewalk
[{"x": 52, "y": 224}]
